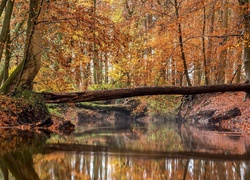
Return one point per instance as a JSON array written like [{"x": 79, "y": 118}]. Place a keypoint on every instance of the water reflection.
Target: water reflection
[
  {"x": 149, "y": 152},
  {"x": 199, "y": 139},
  {"x": 96, "y": 165},
  {"x": 17, "y": 147}
]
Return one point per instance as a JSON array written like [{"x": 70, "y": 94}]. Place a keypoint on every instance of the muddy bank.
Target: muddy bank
[
  {"x": 110, "y": 114},
  {"x": 22, "y": 113},
  {"x": 219, "y": 111}
]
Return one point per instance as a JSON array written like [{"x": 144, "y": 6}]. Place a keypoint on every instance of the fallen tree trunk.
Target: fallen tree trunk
[{"x": 87, "y": 96}]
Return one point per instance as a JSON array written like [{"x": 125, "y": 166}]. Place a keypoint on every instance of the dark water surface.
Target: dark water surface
[{"x": 151, "y": 152}]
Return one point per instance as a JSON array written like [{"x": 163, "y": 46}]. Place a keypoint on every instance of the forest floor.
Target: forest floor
[{"x": 220, "y": 111}]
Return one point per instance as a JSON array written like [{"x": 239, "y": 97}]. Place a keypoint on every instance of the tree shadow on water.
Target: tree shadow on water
[{"x": 17, "y": 147}]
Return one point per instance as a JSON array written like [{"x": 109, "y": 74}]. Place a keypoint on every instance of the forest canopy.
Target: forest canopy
[{"x": 76, "y": 45}]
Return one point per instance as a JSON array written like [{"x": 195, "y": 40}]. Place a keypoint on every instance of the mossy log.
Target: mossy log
[{"x": 105, "y": 107}]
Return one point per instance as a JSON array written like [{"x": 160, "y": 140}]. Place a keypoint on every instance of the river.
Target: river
[{"x": 152, "y": 151}]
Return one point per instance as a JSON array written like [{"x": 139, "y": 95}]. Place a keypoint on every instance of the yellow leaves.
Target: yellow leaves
[
  {"x": 117, "y": 15},
  {"x": 134, "y": 48},
  {"x": 75, "y": 37},
  {"x": 78, "y": 35}
]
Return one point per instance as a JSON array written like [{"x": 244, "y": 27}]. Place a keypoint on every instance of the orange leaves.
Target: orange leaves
[
  {"x": 131, "y": 43},
  {"x": 136, "y": 43}
]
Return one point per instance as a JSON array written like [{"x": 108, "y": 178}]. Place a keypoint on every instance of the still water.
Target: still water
[{"x": 150, "y": 152}]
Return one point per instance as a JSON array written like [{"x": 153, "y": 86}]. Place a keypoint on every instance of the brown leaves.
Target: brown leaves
[
  {"x": 222, "y": 104},
  {"x": 16, "y": 112}
]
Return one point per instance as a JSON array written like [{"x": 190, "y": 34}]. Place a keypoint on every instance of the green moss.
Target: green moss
[
  {"x": 34, "y": 100},
  {"x": 163, "y": 106},
  {"x": 9, "y": 85},
  {"x": 57, "y": 109}
]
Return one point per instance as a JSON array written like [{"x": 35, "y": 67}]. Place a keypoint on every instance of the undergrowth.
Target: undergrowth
[{"x": 163, "y": 106}]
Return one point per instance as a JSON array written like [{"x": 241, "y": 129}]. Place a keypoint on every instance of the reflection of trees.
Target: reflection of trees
[
  {"x": 4, "y": 171},
  {"x": 22, "y": 158},
  {"x": 151, "y": 137},
  {"x": 20, "y": 164},
  {"x": 17, "y": 147},
  {"x": 133, "y": 155},
  {"x": 200, "y": 140},
  {"x": 247, "y": 172},
  {"x": 91, "y": 162}
]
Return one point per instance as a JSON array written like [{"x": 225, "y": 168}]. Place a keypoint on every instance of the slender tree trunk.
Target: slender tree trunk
[
  {"x": 210, "y": 45},
  {"x": 204, "y": 46},
  {"x": 173, "y": 69},
  {"x": 5, "y": 73},
  {"x": 238, "y": 74},
  {"x": 223, "y": 55},
  {"x": 2, "y": 6},
  {"x": 183, "y": 57},
  {"x": 6, "y": 26},
  {"x": 106, "y": 64},
  {"x": 246, "y": 38},
  {"x": 96, "y": 60},
  {"x": 24, "y": 74},
  {"x": 197, "y": 73}
]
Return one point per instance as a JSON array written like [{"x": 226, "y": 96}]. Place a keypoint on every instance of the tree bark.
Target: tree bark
[
  {"x": 221, "y": 75},
  {"x": 87, "y": 96},
  {"x": 97, "y": 67},
  {"x": 208, "y": 76},
  {"x": 246, "y": 38},
  {"x": 183, "y": 57},
  {"x": 246, "y": 18},
  {"x": 5, "y": 72},
  {"x": 6, "y": 26},
  {"x": 2, "y": 6},
  {"x": 24, "y": 74},
  {"x": 204, "y": 45}
]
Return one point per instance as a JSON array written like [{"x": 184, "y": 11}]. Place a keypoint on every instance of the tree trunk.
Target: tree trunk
[
  {"x": 238, "y": 74},
  {"x": 183, "y": 57},
  {"x": 106, "y": 67},
  {"x": 2, "y": 6},
  {"x": 98, "y": 95},
  {"x": 5, "y": 73},
  {"x": 204, "y": 45},
  {"x": 97, "y": 67},
  {"x": 223, "y": 55},
  {"x": 210, "y": 45},
  {"x": 23, "y": 75},
  {"x": 246, "y": 38},
  {"x": 6, "y": 26}
]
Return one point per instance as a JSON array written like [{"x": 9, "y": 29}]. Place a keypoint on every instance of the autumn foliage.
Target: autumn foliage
[{"x": 96, "y": 44}]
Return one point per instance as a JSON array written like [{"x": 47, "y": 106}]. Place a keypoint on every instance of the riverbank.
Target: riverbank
[
  {"x": 219, "y": 111},
  {"x": 24, "y": 113}
]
